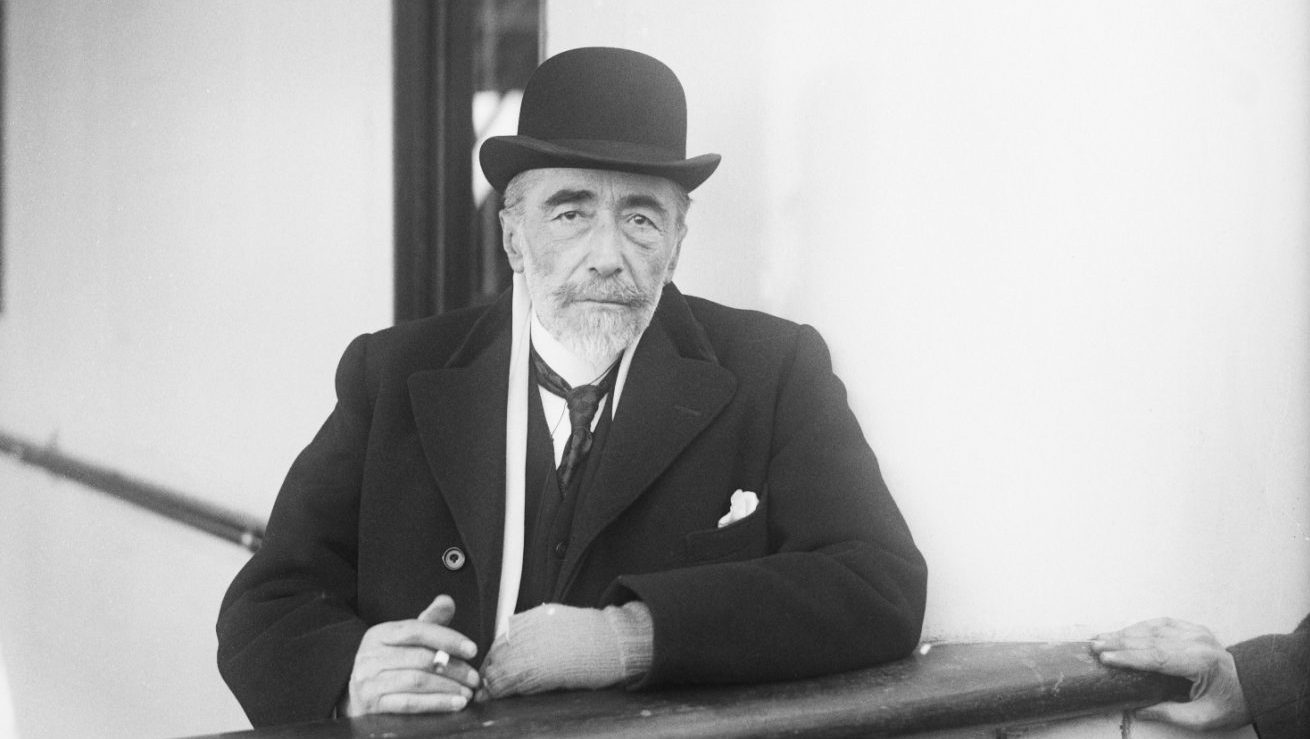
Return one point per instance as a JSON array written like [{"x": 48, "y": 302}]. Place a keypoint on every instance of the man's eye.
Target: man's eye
[
  {"x": 568, "y": 215},
  {"x": 642, "y": 221}
]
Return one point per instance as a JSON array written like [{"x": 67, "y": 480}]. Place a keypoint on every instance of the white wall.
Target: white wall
[
  {"x": 1059, "y": 252},
  {"x": 197, "y": 219}
]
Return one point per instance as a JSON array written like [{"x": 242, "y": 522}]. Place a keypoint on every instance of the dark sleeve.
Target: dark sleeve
[
  {"x": 1275, "y": 674},
  {"x": 843, "y": 585},
  {"x": 287, "y": 628}
]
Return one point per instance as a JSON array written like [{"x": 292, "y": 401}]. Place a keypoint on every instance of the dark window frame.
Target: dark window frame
[
  {"x": 433, "y": 131},
  {"x": 447, "y": 248}
]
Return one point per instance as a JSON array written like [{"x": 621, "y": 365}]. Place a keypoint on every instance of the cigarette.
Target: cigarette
[{"x": 440, "y": 659}]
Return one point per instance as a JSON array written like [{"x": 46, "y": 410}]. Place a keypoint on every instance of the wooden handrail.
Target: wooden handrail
[
  {"x": 221, "y": 522},
  {"x": 944, "y": 687}
]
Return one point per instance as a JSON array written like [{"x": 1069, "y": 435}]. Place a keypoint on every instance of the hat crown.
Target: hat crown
[
  {"x": 600, "y": 108},
  {"x": 606, "y": 94}
]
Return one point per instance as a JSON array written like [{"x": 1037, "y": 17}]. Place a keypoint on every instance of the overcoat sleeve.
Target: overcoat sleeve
[
  {"x": 843, "y": 585},
  {"x": 1274, "y": 671},
  {"x": 288, "y": 629}
]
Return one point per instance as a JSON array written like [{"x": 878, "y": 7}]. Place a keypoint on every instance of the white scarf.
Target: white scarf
[
  {"x": 516, "y": 447},
  {"x": 516, "y": 455}
]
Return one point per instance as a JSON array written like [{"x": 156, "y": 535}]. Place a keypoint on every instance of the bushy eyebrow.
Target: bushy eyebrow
[
  {"x": 642, "y": 200},
  {"x": 562, "y": 197},
  {"x": 569, "y": 196}
]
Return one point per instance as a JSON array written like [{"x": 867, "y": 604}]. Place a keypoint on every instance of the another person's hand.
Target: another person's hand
[
  {"x": 1186, "y": 650},
  {"x": 558, "y": 647},
  {"x": 399, "y": 666}
]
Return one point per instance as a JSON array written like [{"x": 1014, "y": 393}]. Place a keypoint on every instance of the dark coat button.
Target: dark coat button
[{"x": 453, "y": 558}]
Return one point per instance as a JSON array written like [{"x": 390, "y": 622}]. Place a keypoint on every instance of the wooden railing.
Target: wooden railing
[
  {"x": 944, "y": 687},
  {"x": 230, "y": 525}
]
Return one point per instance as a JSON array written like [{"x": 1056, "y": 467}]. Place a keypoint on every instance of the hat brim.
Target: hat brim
[{"x": 503, "y": 157}]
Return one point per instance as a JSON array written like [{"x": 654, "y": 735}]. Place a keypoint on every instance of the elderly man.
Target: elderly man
[{"x": 597, "y": 481}]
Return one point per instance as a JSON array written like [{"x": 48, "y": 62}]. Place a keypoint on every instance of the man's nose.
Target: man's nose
[{"x": 606, "y": 256}]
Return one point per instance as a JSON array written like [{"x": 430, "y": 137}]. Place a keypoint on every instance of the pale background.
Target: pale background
[{"x": 1058, "y": 248}]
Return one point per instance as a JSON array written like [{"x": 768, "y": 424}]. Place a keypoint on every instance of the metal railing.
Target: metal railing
[{"x": 233, "y": 526}]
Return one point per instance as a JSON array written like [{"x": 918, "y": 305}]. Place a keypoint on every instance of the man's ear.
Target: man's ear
[{"x": 509, "y": 230}]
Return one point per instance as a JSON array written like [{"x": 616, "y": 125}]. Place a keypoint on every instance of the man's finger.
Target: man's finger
[
  {"x": 398, "y": 658},
  {"x": 418, "y": 681},
  {"x": 423, "y": 634},
  {"x": 459, "y": 671},
  {"x": 440, "y": 611},
  {"x": 1111, "y": 642},
  {"x": 1156, "y": 628},
  {"x": 1123, "y": 642},
  {"x": 418, "y": 658},
  {"x": 1155, "y": 659},
  {"x": 421, "y": 703}
]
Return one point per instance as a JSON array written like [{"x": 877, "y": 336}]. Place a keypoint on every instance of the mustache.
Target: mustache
[{"x": 605, "y": 290}]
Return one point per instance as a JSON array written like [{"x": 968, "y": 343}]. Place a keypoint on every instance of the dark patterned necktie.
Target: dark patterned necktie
[{"x": 582, "y": 403}]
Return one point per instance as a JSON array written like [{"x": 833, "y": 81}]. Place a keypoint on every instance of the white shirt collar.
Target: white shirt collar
[{"x": 570, "y": 366}]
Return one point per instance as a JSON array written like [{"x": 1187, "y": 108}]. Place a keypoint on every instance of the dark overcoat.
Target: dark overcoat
[{"x": 409, "y": 466}]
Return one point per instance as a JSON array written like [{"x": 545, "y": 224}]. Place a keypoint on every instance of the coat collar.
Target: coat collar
[{"x": 675, "y": 388}]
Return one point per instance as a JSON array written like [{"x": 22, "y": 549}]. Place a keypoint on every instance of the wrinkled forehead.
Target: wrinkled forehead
[{"x": 602, "y": 186}]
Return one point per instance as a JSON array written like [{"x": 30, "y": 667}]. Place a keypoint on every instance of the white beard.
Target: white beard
[{"x": 597, "y": 333}]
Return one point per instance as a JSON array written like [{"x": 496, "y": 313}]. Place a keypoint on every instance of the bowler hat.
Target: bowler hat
[{"x": 600, "y": 108}]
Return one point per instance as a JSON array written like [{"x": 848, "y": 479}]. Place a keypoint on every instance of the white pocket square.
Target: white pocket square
[{"x": 742, "y": 505}]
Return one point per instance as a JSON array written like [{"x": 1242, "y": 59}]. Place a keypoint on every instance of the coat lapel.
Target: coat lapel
[
  {"x": 459, "y": 411},
  {"x": 674, "y": 389}
]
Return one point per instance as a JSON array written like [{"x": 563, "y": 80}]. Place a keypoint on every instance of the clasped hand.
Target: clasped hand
[
  {"x": 397, "y": 669},
  {"x": 550, "y": 647},
  {"x": 555, "y": 647}
]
